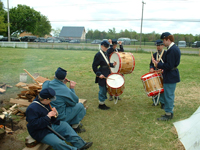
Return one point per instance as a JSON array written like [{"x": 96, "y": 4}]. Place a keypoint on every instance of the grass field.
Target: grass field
[{"x": 131, "y": 124}]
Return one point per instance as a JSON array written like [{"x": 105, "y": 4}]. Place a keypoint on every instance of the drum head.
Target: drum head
[
  {"x": 116, "y": 58},
  {"x": 148, "y": 76},
  {"x": 115, "y": 80}
]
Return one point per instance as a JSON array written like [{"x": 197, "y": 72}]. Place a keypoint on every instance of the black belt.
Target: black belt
[
  {"x": 104, "y": 67},
  {"x": 174, "y": 68}
]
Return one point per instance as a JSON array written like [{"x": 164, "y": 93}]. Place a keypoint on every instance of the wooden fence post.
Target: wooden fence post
[{"x": 199, "y": 52}]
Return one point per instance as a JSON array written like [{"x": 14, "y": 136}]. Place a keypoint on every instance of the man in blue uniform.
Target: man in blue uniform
[
  {"x": 158, "y": 56},
  {"x": 101, "y": 59},
  {"x": 67, "y": 102},
  {"x": 113, "y": 48},
  {"x": 40, "y": 117},
  {"x": 170, "y": 75}
]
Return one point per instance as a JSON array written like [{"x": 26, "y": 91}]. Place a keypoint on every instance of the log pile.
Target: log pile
[{"x": 23, "y": 100}]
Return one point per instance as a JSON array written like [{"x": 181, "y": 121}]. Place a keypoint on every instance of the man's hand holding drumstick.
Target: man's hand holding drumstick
[{"x": 154, "y": 62}]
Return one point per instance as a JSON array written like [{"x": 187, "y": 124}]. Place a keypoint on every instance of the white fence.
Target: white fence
[{"x": 14, "y": 44}]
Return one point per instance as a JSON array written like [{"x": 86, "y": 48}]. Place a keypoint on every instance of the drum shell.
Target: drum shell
[
  {"x": 152, "y": 83},
  {"x": 115, "y": 91},
  {"x": 126, "y": 62}
]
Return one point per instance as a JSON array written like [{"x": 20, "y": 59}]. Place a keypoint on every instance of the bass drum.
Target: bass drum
[{"x": 125, "y": 62}]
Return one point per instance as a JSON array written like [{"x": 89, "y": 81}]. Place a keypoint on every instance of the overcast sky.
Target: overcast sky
[{"x": 174, "y": 16}]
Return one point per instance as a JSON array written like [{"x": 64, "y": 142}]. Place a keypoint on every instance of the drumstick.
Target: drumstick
[
  {"x": 161, "y": 55},
  {"x": 153, "y": 59},
  {"x": 107, "y": 78},
  {"x": 52, "y": 110}
]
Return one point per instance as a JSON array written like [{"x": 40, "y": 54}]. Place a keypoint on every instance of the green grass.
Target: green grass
[{"x": 130, "y": 124}]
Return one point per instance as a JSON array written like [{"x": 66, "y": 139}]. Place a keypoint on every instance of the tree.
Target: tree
[
  {"x": 3, "y": 25},
  {"x": 96, "y": 34},
  {"x": 56, "y": 32},
  {"x": 23, "y": 18},
  {"x": 111, "y": 33},
  {"x": 43, "y": 27},
  {"x": 89, "y": 34}
]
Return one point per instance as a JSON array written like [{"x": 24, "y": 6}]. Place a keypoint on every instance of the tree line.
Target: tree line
[{"x": 148, "y": 37}]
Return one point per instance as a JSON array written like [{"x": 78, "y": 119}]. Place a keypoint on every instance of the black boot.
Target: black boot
[
  {"x": 103, "y": 107},
  {"x": 162, "y": 106},
  {"x": 117, "y": 97},
  {"x": 79, "y": 130},
  {"x": 110, "y": 98},
  {"x": 165, "y": 117},
  {"x": 86, "y": 146}
]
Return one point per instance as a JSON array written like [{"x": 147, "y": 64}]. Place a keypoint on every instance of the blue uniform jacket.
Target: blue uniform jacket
[
  {"x": 36, "y": 116},
  {"x": 172, "y": 60},
  {"x": 103, "y": 69},
  {"x": 111, "y": 50},
  {"x": 154, "y": 55},
  {"x": 65, "y": 97}
]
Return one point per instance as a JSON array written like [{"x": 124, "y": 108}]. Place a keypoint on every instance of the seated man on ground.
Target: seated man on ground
[
  {"x": 42, "y": 124},
  {"x": 67, "y": 102}
]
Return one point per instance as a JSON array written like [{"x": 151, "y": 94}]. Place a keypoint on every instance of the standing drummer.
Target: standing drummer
[
  {"x": 170, "y": 75},
  {"x": 159, "y": 55},
  {"x": 113, "y": 48},
  {"x": 101, "y": 67}
]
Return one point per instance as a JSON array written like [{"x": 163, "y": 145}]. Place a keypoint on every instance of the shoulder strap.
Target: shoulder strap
[
  {"x": 40, "y": 105},
  {"x": 104, "y": 57}
]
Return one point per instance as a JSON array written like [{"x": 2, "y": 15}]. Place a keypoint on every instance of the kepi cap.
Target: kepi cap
[
  {"x": 60, "y": 73},
  {"x": 164, "y": 35},
  {"x": 159, "y": 42},
  {"x": 48, "y": 93},
  {"x": 105, "y": 43},
  {"x": 114, "y": 41}
]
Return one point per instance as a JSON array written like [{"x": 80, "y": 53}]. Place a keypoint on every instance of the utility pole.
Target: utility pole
[
  {"x": 8, "y": 21},
  {"x": 141, "y": 23}
]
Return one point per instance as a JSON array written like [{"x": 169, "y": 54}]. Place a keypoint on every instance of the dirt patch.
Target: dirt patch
[{"x": 13, "y": 141}]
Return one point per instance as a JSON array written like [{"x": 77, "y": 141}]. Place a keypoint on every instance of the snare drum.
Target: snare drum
[
  {"x": 115, "y": 84},
  {"x": 125, "y": 62},
  {"x": 153, "y": 83}
]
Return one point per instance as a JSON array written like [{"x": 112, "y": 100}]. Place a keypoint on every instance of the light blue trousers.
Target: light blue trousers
[
  {"x": 73, "y": 115},
  {"x": 68, "y": 133},
  {"x": 102, "y": 93},
  {"x": 169, "y": 93}
]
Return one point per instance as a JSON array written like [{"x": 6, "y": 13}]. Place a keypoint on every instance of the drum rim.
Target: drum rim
[
  {"x": 153, "y": 93},
  {"x": 133, "y": 62},
  {"x": 153, "y": 75}
]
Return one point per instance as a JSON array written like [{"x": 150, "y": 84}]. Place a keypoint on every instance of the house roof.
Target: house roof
[{"x": 70, "y": 31}]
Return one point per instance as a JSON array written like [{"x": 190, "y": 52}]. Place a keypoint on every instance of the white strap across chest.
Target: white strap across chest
[
  {"x": 40, "y": 105},
  {"x": 104, "y": 57}
]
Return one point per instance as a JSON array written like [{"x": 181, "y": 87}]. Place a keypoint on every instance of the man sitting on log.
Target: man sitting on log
[
  {"x": 44, "y": 126},
  {"x": 67, "y": 102}
]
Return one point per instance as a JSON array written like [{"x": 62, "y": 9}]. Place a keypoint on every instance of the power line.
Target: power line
[{"x": 96, "y": 20}]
